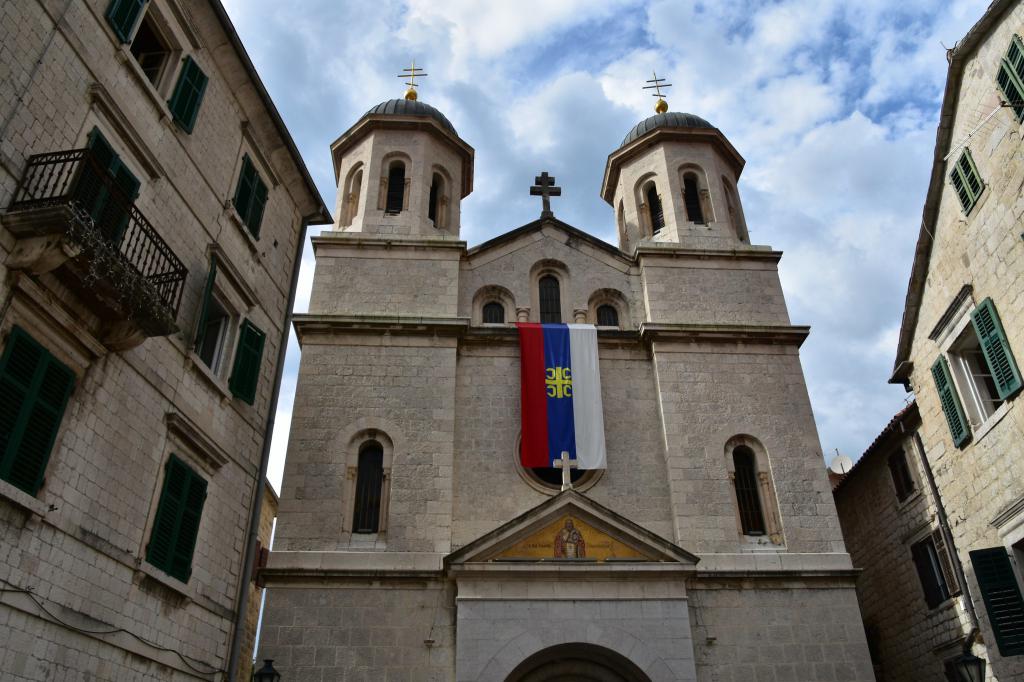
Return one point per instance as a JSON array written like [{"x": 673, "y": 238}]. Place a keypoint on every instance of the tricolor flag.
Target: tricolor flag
[{"x": 561, "y": 395}]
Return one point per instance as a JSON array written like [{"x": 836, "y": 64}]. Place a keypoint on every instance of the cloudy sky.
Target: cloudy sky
[{"x": 833, "y": 104}]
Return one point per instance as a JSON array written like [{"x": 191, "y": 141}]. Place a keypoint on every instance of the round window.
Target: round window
[{"x": 548, "y": 480}]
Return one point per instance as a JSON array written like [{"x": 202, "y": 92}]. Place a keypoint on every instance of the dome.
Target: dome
[
  {"x": 411, "y": 107},
  {"x": 671, "y": 119}
]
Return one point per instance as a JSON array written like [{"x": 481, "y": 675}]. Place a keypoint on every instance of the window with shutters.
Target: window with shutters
[
  {"x": 150, "y": 49},
  {"x": 979, "y": 374},
  {"x": 123, "y": 15},
  {"x": 1011, "y": 76},
  {"x": 172, "y": 540},
  {"x": 902, "y": 479},
  {"x": 214, "y": 324},
  {"x": 107, "y": 203},
  {"x": 188, "y": 95},
  {"x": 1002, "y": 596},
  {"x": 747, "y": 497},
  {"x": 34, "y": 391},
  {"x": 493, "y": 313},
  {"x": 369, "y": 486},
  {"x": 550, "y": 299},
  {"x": 250, "y": 197},
  {"x": 966, "y": 181},
  {"x": 248, "y": 362},
  {"x": 933, "y": 569},
  {"x": 395, "y": 201}
]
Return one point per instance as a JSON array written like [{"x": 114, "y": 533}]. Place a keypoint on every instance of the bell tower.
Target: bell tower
[
  {"x": 402, "y": 170},
  {"x": 673, "y": 180}
]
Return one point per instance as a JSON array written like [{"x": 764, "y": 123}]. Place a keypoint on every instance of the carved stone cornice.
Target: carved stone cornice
[{"x": 725, "y": 333}]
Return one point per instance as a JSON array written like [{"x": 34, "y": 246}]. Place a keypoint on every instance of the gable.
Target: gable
[{"x": 570, "y": 527}]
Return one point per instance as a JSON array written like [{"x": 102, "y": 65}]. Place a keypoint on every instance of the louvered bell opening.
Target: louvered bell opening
[
  {"x": 654, "y": 206},
  {"x": 396, "y": 188}
]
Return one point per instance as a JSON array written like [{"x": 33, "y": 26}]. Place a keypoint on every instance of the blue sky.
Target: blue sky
[{"x": 833, "y": 104}]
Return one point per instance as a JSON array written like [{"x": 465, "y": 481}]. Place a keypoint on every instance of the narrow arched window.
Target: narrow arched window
[
  {"x": 654, "y": 207},
  {"x": 494, "y": 313},
  {"x": 622, "y": 223},
  {"x": 369, "y": 482},
  {"x": 607, "y": 316},
  {"x": 550, "y": 300},
  {"x": 751, "y": 515},
  {"x": 396, "y": 188},
  {"x": 434, "y": 210},
  {"x": 691, "y": 197}
]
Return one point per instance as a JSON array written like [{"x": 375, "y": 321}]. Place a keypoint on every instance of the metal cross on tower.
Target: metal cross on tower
[
  {"x": 545, "y": 187},
  {"x": 660, "y": 106},
  {"x": 411, "y": 73},
  {"x": 566, "y": 465}
]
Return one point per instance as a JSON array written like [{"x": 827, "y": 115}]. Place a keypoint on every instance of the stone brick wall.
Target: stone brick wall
[
  {"x": 911, "y": 640},
  {"x": 985, "y": 250},
  {"x": 81, "y": 548}
]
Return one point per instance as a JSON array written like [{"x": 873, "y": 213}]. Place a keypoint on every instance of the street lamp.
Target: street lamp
[
  {"x": 967, "y": 668},
  {"x": 268, "y": 674}
]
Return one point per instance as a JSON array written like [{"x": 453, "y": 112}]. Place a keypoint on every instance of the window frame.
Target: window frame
[
  {"x": 907, "y": 488},
  {"x": 185, "y": 106},
  {"x": 125, "y": 29},
  {"x": 355, "y": 446},
  {"x": 928, "y": 559},
  {"x": 541, "y": 313},
  {"x": 251, "y": 196},
  {"x": 490, "y": 305},
  {"x": 163, "y": 509},
  {"x": 960, "y": 178},
  {"x": 1012, "y": 74}
]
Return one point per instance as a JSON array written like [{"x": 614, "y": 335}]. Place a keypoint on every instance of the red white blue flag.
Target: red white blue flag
[{"x": 561, "y": 395}]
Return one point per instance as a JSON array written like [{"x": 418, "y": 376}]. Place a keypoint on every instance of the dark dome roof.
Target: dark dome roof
[
  {"x": 411, "y": 107},
  {"x": 670, "y": 119}
]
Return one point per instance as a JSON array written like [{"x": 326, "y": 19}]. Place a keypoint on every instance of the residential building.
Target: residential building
[
  {"x": 962, "y": 335},
  {"x": 154, "y": 208}
]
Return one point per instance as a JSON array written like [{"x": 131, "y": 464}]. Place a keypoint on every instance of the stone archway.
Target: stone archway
[{"x": 577, "y": 662}]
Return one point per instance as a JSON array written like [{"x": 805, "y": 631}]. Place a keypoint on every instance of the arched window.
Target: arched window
[
  {"x": 747, "y": 497},
  {"x": 607, "y": 316},
  {"x": 369, "y": 482},
  {"x": 735, "y": 213},
  {"x": 436, "y": 192},
  {"x": 396, "y": 188},
  {"x": 654, "y": 207},
  {"x": 691, "y": 197},
  {"x": 494, "y": 313},
  {"x": 550, "y": 300}
]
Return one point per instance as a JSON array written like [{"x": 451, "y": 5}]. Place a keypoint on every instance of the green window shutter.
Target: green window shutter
[
  {"x": 996, "y": 349},
  {"x": 204, "y": 307},
  {"x": 176, "y": 526},
  {"x": 109, "y": 213},
  {"x": 188, "y": 95},
  {"x": 34, "y": 391},
  {"x": 1011, "y": 76},
  {"x": 950, "y": 402},
  {"x": 248, "y": 357},
  {"x": 966, "y": 181},
  {"x": 1002, "y": 597},
  {"x": 122, "y": 16},
  {"x": 259, "y": 201}
]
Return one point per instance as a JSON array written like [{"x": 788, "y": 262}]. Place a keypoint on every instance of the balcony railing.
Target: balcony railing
[{"x": 75, "y": 178}]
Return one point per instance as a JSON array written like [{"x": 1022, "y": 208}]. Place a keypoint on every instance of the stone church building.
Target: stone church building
[{"x": 411, "y": 544}]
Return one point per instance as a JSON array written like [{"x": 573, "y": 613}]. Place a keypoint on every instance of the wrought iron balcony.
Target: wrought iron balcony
[{"x": 73, "y": 217}]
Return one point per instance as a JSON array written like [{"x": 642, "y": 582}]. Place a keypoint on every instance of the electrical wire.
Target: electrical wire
[{"x": 32, "y": 596}]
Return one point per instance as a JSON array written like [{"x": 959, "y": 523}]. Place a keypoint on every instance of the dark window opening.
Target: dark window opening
[
  {"x": 150, "y": 51},
  {"x": 369, "y": 483},
  {"x": 691, "y": 196},
  {"x": 654, "y": 207},
  {"x": 213, "y": 334},
  {"x": 550, "y": 300},
  {"x": 901, "y": 478},
  {"x": 494, "y": 313},
  {"x": 433, "y": 211},
  {"x": 553, "y": 476},
  {"x": 751, "y": 516},
  {"x": 396, "y": 189},
  {"x": 607, "y": 316},
  {"x": 929, "y": 570}
]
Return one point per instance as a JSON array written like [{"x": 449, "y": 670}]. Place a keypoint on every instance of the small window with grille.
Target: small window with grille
[
  {"x": 747, "y": 496},
  {"x": 369, "y": 485},
  {"x": 607, "y": 316},
  {"x": 550, "y": 300},
  {"x": 494, "y": 313}
]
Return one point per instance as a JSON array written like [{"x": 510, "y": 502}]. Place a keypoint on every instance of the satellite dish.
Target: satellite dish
[{"x": 841, "y": 464}]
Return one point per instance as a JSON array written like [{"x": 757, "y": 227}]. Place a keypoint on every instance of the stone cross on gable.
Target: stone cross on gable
[
  {"x": 544, "y": 186},
  {"x": 566, "y": 465}
]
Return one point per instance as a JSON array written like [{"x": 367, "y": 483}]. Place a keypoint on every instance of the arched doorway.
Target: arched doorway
[{"x": 577, "y": 663}]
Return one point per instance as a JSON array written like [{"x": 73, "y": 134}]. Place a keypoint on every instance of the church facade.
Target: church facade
[{"x": 412, "y": 545}]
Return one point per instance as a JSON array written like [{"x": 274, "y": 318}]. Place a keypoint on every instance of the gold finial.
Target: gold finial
[
  {"x": 661, "y": 106},
  {"x": 411, "y": 73}
]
